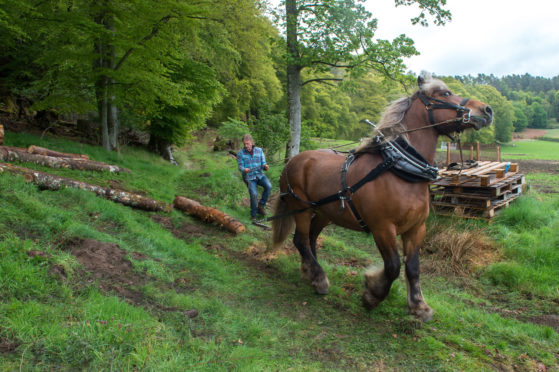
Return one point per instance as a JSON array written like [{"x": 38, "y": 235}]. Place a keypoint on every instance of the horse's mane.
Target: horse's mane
[{"x": 390, "y": 124}]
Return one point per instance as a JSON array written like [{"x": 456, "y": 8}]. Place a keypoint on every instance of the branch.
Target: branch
[
  {"x": 310, "y": 6},
  {"x": 332, "y": 64},
  {"x": 154, "y": 32},
  {"x": 322, "y": 80}
]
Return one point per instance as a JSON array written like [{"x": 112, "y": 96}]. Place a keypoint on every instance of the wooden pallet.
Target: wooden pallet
[
  {"x": 485, "y": 174},
  {"x": 474, "y": 188},
  {"x": 480, "y": 192}
]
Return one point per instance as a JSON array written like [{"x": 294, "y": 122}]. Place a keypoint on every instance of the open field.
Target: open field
[{"x": 87, "y": 284}]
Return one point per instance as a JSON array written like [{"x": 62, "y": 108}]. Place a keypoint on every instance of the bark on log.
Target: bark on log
[
  {"x": 208, "y": 214},
  {"x": 53, "y": 182},
  {"x": 1, "y": 135},
  {"x": 47, "y": 152},
  {"x": 14, "y": 154}
]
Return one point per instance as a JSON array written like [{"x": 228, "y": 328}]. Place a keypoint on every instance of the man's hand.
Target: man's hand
[
  {"x": 266, "y": 167},
  {"x": 247, "y": 170}
]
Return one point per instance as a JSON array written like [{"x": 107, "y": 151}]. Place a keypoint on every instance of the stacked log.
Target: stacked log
[
  {"x": 22, "y": 155},
  {"x": 55, "y": 159},
  {"x": 52, "y": 182},
  {"x": 208, "y": 214},
  {"x": 47, "y": 152}
]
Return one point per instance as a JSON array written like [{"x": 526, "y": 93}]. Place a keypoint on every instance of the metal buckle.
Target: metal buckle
[{"x": 466, "y": 117}]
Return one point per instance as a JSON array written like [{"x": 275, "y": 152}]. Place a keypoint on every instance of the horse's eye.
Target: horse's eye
[{"x": 446, "y": 94}]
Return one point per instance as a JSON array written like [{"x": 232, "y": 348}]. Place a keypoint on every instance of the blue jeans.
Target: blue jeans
[{"x": 253, "y": 191}]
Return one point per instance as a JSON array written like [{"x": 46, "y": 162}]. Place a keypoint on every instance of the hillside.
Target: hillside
[{"x": 88, "y": 284}]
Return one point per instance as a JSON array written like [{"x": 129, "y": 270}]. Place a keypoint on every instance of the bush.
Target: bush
[{"x": 528, "y": 213}]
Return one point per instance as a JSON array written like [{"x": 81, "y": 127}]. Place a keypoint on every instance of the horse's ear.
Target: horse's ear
[
  {"x": 420, "y": 81},
  {"x": 423, "y": 77}
]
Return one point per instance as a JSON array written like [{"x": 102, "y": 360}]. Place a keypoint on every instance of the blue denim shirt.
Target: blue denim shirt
[{"x": 254, "y": 162}]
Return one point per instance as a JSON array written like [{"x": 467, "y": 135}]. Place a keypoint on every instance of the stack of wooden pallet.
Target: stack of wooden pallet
[{"x": 478, "y": 192}]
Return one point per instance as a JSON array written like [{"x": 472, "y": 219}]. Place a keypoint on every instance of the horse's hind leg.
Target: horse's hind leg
[
  {"x": 310, "y": 268},
  {"x": 318, "y": 223},
  {"x": 416, "y": 304},
  {"x": 378, "y": 282}
]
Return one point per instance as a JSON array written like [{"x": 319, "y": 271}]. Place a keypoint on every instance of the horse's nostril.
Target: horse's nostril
[{"x": 488, "y": 110}]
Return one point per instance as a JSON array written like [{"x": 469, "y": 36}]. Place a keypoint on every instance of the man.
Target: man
[{"x": 251, "y": 163}]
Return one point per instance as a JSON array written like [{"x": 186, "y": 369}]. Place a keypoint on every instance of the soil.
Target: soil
[
  {"x": 8, "y": 346},
  {"x": 529, "y": 133},
  {"x": 107, "y": 263},
  {"x": 535, "y": 166}
]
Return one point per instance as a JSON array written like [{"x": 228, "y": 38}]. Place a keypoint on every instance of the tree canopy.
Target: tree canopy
[{"x": 171, "y": 67}]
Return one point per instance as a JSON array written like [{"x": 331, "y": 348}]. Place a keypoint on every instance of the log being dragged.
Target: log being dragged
[
  {"x": 52, "y": 182},
  {"x": 208, "y": 214},
  {"x": 14, "y": 154},
  {"x": 47, "y": 152}
]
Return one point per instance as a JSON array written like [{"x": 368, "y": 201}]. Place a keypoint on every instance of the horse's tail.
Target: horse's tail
[{"x": 283, "y": 225}]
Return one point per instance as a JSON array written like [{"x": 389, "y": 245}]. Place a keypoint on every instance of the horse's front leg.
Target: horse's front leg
[
  {"x": 378, "y": 282},
  {"x": 412, "y": 241},
  {"x": 310, "y": 268}
]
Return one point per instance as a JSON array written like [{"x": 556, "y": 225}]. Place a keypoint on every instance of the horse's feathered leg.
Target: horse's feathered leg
[
  {"x": 378, "y": 282},
  {"x": 310, "y": 268},
  {"x": 417, "y": 305}
]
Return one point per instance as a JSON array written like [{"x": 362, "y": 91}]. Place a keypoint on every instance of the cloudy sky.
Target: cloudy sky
[{"x": 498, "y": 37}]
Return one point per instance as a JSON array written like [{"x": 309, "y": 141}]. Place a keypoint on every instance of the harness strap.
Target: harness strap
[{"x": 345, "y": 193}]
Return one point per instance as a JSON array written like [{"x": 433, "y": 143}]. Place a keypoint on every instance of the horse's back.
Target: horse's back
[{"x": 314, "y": 173}]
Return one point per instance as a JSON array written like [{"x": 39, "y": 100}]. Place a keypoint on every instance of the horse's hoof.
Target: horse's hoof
[
  {"x": 369, "y": 301},
  {"x": 321, "y": 286},
  {"x": 423, "y": 312}
]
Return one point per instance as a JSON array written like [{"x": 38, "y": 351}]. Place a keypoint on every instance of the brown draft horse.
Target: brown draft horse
[{"x": 388, "y": 205}]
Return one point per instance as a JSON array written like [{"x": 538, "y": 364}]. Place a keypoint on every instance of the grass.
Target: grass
[
  {"x": 542, "y": 150},
  {"x": 552, "y": 133},
  {"x": 254, "y": 312}
]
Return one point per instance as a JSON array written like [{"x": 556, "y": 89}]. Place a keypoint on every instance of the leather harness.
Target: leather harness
[{"x": 398, "y": 155}]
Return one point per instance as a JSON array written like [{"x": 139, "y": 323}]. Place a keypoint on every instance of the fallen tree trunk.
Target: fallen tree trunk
[
  {"x": 208, "y": 214},
  {"x": 52, "y": 182},
  {"x": 22, "y": 155},
  {"x": 47, "y": 152}
]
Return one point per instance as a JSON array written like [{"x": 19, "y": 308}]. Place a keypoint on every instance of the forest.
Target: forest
[
  {"x": 169, "y": 68},
  {"x": 110, "y": 114}
]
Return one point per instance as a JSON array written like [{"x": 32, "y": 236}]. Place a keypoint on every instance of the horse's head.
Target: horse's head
[{"x": 448, "y": 112}]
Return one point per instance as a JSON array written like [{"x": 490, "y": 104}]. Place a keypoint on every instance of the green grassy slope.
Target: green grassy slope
[{"x": 253, "y": 311}]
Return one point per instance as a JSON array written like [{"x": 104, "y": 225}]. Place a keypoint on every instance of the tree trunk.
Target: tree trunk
[
  {"x": 103, "y": 113},
  {"x": 104, "y": 86},
  {"x": 114, "y": 124},
  {"x": 53, "y": 182},
  {"x": 47, "y": 152},
  {"x": 160, "y": 146},
  {"x": 208, "y": 214},
  {"x": 1, "y": 135},
  {"x": 12, "y": 154},
  {"x": 293, "y": 80},
  {"x": 112, "y": 109}
]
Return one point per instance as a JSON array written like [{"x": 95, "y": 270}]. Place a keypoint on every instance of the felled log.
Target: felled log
[
  {"x": 208, "y": 214},
  {"x": 52, "y": 182},
  {"x": 15, "y": 154},
  {"x": 47, "y": 152}
]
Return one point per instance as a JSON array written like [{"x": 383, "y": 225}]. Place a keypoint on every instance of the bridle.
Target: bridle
[{"x": 431, "y": 103}]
